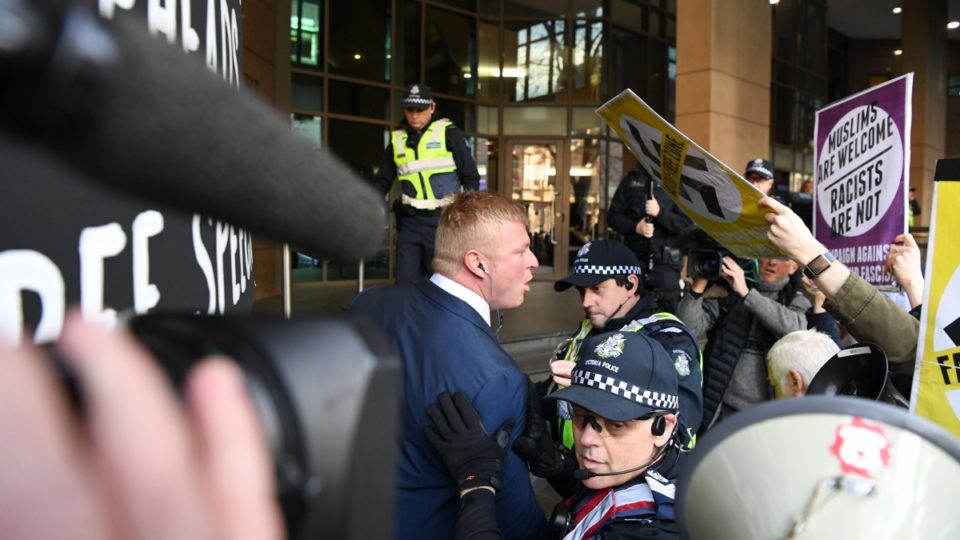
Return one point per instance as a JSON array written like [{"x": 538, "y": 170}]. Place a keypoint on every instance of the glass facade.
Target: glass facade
[
  {"x": 798, "y": 87},
  {"x": 518, "y": 76}
]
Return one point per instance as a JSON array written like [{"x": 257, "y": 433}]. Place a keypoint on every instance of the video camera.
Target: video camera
[
  {"x": 705, "y": 256},
  {"x": 89, "y": 106}
]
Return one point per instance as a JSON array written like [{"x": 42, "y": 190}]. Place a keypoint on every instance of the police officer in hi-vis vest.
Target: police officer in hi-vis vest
[{"x": 432, "y": 161}]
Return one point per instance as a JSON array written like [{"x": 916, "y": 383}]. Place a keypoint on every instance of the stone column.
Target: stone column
[
  {"x": 924, "y": 44},
  {"x": 724, "y": 52}
]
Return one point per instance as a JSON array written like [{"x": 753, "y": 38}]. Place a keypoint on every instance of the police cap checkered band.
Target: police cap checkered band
[
  {"x": 417, "y": 96},
  {"x": 621, "y": 376},
  {"x": 761, "y": 167},
  {"x": 599, "y": 261},
  {"x": 656, "y": 400},
  {"x": 618, "y": 270}
]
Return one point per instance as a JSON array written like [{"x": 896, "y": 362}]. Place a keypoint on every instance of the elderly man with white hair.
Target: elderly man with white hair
[{"x": 795, "y": 359}]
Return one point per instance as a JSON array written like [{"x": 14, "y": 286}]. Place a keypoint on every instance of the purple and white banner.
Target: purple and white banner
[{"x": 862, "y": 154}]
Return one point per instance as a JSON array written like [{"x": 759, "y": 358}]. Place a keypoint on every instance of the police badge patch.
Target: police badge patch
[
  {"x": 611, "y": 347},
  {"x": 681, "y": 362}
]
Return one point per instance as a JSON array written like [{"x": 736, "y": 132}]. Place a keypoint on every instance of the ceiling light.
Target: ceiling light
[
  {"x": 953, "y": 25},
  {"x": 774, "y": 2},
  {"x": 897, "y": 52},
  {"x": 897, "y": 10},
  {"x": 357, "y": 56}
]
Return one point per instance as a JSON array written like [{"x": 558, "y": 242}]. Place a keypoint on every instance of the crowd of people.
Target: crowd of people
[{"x": 655, "y": 363}]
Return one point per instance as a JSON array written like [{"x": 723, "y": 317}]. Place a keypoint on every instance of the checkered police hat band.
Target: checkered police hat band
[
  {"x": 656, "y": 400},
  {"x": 417, "y": 101},
  {"x": 600, "y": 270}
]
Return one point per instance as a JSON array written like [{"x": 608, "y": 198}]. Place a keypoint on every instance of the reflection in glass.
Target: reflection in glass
[
  {"x": 584, "y": 194},
  {"x": 534, "y": 59},
  {"x": 533, "y": 170},
  {"x": 488, "y": 61},
  {"x": 587, "y": 58},
  {"x": 306, "y": 33},
  {"x": 360, "y": 41},
  {"x": 450, "y": 63},
  {"x": 359, "y": 100},
  {"x": 485, "y": 153},
  {"x": 309, "y": 126},
  {"x": 306, "y": 93},
  {"x": 408, "y": 43}
]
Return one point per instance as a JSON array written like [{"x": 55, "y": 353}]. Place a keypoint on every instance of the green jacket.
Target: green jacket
[{"x": 872, "y": 317}]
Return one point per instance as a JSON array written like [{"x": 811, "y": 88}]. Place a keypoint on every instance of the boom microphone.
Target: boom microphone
[
  {"x": 583, "y": 474},
  {"x": 141, "y": 116}
]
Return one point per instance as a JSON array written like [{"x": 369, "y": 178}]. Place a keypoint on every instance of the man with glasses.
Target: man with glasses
[
  {"x": 625, "y": 403},
  {"x": 431, "y": 159}
]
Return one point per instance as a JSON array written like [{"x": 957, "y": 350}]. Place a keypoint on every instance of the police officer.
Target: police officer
[
  {"x": 608, "y": 277},
  {"x": 432, "y": 161},
  {"x": 649, "y": 221},
  {"x": 619, "y": 482}
]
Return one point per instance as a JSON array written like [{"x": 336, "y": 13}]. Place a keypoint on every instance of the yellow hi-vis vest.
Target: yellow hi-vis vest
[
  {"x": 572, "y": 353},
  {"x": 418, "y": 167}
]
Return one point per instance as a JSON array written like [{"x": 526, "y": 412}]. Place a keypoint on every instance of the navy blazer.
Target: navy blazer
[{"x": 445, "y": 346}]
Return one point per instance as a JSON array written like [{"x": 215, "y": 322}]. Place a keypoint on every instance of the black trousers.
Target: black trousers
[{"x": 416, "y": 233}]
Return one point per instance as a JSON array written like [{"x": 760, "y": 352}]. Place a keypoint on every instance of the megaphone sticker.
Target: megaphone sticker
[{"x": 861, "y": 447}]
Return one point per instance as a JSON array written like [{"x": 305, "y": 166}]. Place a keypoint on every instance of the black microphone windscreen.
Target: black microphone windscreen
[
  {"x": 582, "y": 474},
  {"x": 169, "y": 130}
]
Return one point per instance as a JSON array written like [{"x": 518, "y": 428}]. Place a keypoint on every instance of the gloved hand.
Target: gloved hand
[
  {"x": 544, "y": 457},
  {"x": 472, "y": 457}
]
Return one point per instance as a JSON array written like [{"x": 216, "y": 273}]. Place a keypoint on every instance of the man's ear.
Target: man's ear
[
  {"x": 795, "y": 381},
  {"x": 635, "y": 283},
  {"x": 473, "y": 261}
]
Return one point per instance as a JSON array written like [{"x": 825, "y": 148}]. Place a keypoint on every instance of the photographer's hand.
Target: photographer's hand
[
  {"x": 733, "y": 274},
  {"x": 472, "y": 457},
  {"x": 142, "y": 466}
]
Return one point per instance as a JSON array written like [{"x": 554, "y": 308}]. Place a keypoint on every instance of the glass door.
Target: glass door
[{"x": 538, "y": 180}]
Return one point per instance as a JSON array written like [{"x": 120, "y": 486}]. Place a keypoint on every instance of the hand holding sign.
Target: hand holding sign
[
  {"x": 903, "y": 261},
  {"x": 789, "y": 233}
]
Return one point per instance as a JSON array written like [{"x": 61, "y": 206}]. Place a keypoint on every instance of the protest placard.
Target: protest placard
[
  {"x": 718, "y": 199},
  {"x": 936, "y": 383},
  {"x": 862, "y": 155}
]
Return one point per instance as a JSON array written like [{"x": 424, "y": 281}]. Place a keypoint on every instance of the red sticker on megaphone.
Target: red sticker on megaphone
[{"x": 861, "y": 448}]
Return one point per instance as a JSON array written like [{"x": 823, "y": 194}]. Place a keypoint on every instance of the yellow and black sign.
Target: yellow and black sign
[
  {"x": 936, "y": 387},
  {"x": 718, "y": 199}
]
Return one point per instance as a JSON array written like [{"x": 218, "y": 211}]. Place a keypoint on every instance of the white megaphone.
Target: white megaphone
[{"x": 821, "y": 467}]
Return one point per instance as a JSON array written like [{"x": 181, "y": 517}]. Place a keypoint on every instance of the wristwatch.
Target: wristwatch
[{"x": 818, "y": 265}]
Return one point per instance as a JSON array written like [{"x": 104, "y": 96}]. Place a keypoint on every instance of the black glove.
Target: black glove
[
  {"x": 536, "y": 446},
  {"x": 472, "y": 457}
]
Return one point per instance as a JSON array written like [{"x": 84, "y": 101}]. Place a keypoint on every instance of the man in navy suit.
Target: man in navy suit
[{"x": 440, "y": 328}]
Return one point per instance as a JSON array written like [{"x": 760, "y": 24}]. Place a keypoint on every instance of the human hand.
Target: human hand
[
  {"x": 652, "y": 207},
  {"x": 645, "y": 229},
  {"x": 561, "y": 371},
  {"x": 472, "y": 457},
  {"x": 142, "y": 465},
  {"x": 816, "y": 296},
  {"x": 536, "y": 446},
  {"x": 903, "y": 261},
  {"x": 699, "y": 285},
  {"x": 789, "y": 233},
  {"x": 733, "y": 274}
]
